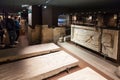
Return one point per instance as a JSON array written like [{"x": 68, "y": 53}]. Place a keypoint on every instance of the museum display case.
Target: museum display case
[{"x": 105, "y": 19}]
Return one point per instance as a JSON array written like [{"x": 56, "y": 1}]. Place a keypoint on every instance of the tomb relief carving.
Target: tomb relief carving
[
  {"x": 101, "y": 40},
  {"x": 107, "y": 40},
  {"x": 107, "y": 44},
  {"x": 110, "y": 43},
  {"x": 87, "y": 37}
]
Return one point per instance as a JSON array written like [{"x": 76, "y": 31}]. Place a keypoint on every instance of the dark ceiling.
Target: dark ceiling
[{"x": 15, "y": 5}]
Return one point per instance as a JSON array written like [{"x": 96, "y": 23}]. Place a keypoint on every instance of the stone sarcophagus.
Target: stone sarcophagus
[{"x": 86, "y": 36}]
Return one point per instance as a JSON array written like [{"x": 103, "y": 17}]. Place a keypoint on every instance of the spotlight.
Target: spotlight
[{"x": 45, "y": 6}]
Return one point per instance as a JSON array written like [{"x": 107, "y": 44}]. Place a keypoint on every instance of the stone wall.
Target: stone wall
[{"x": 44, "y": 34}]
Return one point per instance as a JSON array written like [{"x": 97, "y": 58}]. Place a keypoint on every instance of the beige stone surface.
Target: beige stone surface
[
  {"x": 52, "y": 34},
  {"x": 84, "y": 74},
  {"x": 86, "y": 36},
  {"x": 92, "y": 38},
  {"x": 58, "y": 32},
  {"x": 36, "y": 34},
  {"x": 37, "y": 68},
  {"x": 47, "y": 34},
  {"x": 29, "y": 51},
  {"x": 44, "y": 26},
  {"x": 110, "y": 43}
]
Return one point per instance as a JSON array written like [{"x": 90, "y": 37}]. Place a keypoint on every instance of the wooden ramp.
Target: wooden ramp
[
  {"x": 38, "y": 68},
  {"x": 84, "y": 74},
  {"x": 28, "y": 52}
]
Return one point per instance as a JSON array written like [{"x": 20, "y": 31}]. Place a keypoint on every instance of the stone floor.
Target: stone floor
[{"x": 98, "y": 62}]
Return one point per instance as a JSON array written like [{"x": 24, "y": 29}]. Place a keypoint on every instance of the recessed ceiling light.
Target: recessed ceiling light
[{"x": 25, "y": 5}]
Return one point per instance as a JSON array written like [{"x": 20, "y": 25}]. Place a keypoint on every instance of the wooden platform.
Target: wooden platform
[
  {"x": 84, "y": 74},
  {"x": 28, "y": 52},
  {"x": 37, "y": 68}
]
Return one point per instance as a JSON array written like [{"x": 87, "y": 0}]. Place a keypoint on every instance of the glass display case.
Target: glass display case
[
  {"x": 100, "y": 19},
  {"x": 63, "y": 20}
]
